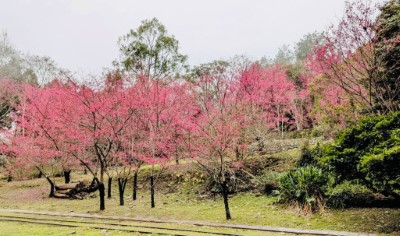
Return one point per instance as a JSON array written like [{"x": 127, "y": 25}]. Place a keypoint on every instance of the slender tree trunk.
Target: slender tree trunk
[
  {"x": 278, "y": 124},
  {"x": 85, "y": 171},
  {"x": 176, "y": 157},
  {"x": 101, "y": 187},
  {"x": 9, "y": 178},
  {"x": 121, "y": 188},
  {"x": 52, "y": 187},
  {"x": 152, "y": 191},
  {"x": 225, "y": 194},
  {"x": 102, "y": 195},
  {"x": 134, "y": 185},
  {"x": 67, "y": 176},
  {"x": 40, "y": 175},
  {"x": 109, "y": 187},
  {"x": 370, "y": 92}
]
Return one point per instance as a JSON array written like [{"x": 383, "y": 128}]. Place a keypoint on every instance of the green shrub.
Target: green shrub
[
  {"x": 270, "y": 181},
  {"x": 304, "y": 188},
  {"x": 368, "y": 152},
  {"x": 316, "y": 132},
  {"x": 347, "y": 194},
  {"x": 309, "y": 156}
]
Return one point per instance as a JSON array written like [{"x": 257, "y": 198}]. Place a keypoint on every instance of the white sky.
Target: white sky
[{"x": 81, "y": 35}]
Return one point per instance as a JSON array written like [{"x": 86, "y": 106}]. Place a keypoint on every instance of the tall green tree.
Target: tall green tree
[
  {"x": 284, "y": 56},
  {"x": 13, "y": 65},
  {"x": 388, "y": 46},
  {"x": 46, "y": 69},
  {"x": 305, "y": 46},
  {"x": 150, "y": 51}
]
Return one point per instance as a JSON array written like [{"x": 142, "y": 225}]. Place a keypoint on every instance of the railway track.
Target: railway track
[
  {"x": 101, "y": 224},
  {"x": 151, "y": 226}
]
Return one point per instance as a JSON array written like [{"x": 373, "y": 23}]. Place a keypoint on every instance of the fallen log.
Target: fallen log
[
  {"x": 76, "y": 190},
  {"x": 67, "y": 186}
]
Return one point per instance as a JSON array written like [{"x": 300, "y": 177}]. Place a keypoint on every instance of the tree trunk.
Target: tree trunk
[
  {"x": 109, "y": 187},
  {"x": 121, "y": 188},
  {"x": 67, "y": 176},
  {"x": 176, "y": 158},
  {"x": 85, "y": 171},
  {"x": 134, "y": 185},
  {"x": 52, "y": 187},
  {"x": 40, "y": 175},
  {"x": 225, "y": 194},
  {"x": 9, "y": 178},
  {"x": 102, "y": 195},
  {"x": 152, "y": 191}
]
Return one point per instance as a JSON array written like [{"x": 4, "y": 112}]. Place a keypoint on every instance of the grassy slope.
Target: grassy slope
[{"x": 184, "y": 204}]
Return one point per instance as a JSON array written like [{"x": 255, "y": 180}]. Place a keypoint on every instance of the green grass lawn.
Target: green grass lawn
[{"x": 184, "y": 204}]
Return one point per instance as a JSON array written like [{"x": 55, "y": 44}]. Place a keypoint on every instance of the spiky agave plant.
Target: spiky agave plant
[{"x": 303, "y": 188}]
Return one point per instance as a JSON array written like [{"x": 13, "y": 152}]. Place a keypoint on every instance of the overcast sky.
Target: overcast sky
[{"x": 81, "y": 35}]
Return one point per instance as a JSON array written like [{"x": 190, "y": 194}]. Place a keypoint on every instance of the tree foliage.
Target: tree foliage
[
  {"x": 356, "y": 56},
  {"x": 151, "y": 52},
  {"x": 387, "y": 44},
  {"x": 368, "y": 152},
  {"x": 304, "y": 188}
]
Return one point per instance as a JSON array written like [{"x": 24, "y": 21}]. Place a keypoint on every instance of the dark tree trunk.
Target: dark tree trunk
[
  {"x": 52, "y": 187},
  {"x": 67, "y": 176},
  {"x": 177, "y": 161},
  {"x": 40, "y": 175},
  {"x": 225, "y": 194},
  {"x": 121, "y": 188},
  {"x": 237, "y": 152},
  {"x": 109, "y": 187},
  {"x": 85, "y": 171},
  {"x": 134, "y": 185},
  {"x": 152, "y": 191},
  {"x": 9, "y": 178},
  {"x": 102, "y": 195}
]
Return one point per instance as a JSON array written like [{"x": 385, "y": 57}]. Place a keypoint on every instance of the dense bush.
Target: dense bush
[
  {"x": 270, "y": 181},
  {"x": 304, "y": 188},
  {"x": 368, "y": 152},
  {"x": 348, "y": 194},
  {"x": 308, "y": 155}
]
